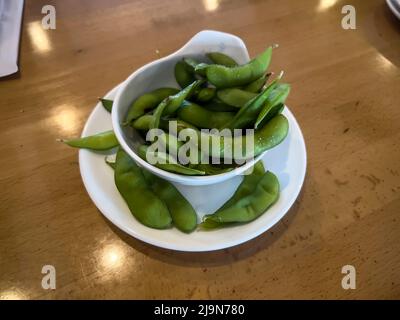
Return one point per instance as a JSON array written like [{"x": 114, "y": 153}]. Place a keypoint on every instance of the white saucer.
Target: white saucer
[{"x": 288, "y": 161}]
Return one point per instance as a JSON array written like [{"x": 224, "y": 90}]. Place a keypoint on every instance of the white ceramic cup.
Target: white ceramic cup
[{"x": 160, "y": 73}]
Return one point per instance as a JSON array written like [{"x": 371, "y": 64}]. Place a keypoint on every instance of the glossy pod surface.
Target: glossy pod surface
[
  {"x": 183, "y": 215},
  {"x": 247, "y": 115},
  {"x": 170, "y": 104},
  {"x": 101, "y": 141},
  {"x": 203, "y": 118},
  {"x": 222, "y": 59},
  {"x": 257, "y": 85},
  {"x": 144, "y": 122},
  {"x": 225, "y": 77},
  {"x": 184, "y": 75},
  {"x": 264, "y": 138},
  {"x": 141, "y": 200},
  {"x": 274, "y": 104},
  {"x": 247, "y": 186},
  {"x": 252, "y": 205},
  {"x": 147, "y": 102},
  {"x": 235, "y": 97}
]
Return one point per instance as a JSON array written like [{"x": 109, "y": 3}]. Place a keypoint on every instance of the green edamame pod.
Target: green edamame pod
[
  {"x": 205, "y": 94},
  {"x": 144, "y": 205},
  {"x": 248, "y": 114},
  {"x": 183, "y": 74},
  {"x": 101, "y": 141},
  {"x": 266, "y": 137},
  {"x": 196, "y": 66},
  {"x": 225, "y": 77},
  {"x": 257, "y": 85},
  {"x": 251, "y": 206},
  {"x": 247, "y": 186},
  {"x": 107, "y": 104},
  {"x": 235, "y": 97},
  {"x": 169, "y": 105},
  {"x": 144, "y": 122},
  {"x": 175, "y": 101},
  {"x": 180, "y": 124},
  {"x": 222, "y": 59},
  {"x": 191, "y": 63},
  {"x": 210, "y": 169},
  {"x": 201, "y": 69},
  {"x": 167, "y": 163},
  {"x": 203, "y": 118},
  {"x": 171, "y": 143},
  {"x": 147, "y": 102},
  {"x": 273, "y": 104},
  {"x": 183, "y": 215},
  {"x": 216, "y": 104}
]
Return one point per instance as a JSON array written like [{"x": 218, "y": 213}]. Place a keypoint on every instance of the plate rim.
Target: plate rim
[{"x": 228, "y": 243}]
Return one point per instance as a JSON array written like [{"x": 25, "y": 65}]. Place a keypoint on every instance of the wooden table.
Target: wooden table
[{"x": 345, "y": 95}]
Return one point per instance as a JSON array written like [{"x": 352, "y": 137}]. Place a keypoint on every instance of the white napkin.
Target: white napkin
[{"x": 10, "y": 26}]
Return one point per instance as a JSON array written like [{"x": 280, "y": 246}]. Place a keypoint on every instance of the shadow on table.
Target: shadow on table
[
  {"x": 212, "y": 258},
  {"x": 381, "y": 29}
]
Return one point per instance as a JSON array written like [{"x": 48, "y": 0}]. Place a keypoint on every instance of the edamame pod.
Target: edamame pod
[
  {"x": 273, "y": 104},
  {"x": 217, "y": 105},
  {"x": 248, "y": 114},
  {"x": 201, "y": 69},
  {"x": 107, "y": 104},
  {"x": 183, "y": 215},
  {"x": 251, "y": 206},
  {"x": 205, "y": 94},
  {"x": 101, "y": 141},
  {"x": 180, "y": 124},
  {"x": 167, "y": 163},
  {"x": 235, "y": 97},
  {"x": 266, "y": 137},
  {"x": 147, "y": 102},
  {"x": 222, "y": 59},
  {"x": 247, "y": 186},
  {"x": 144, "y": 205},
  {"x": 183, "y": 74},
  {"x": 225, "y": 77},
  {"x": 144, "y": 122},
  {"x": 203, "y": 118},
  {"x": 210, "y": 169},
  {"x": 257, "y": 85},
  {"x": 171, "y": 143},
  {"x": 196, "y": 66},
  {"x": 170, "y": 104}
]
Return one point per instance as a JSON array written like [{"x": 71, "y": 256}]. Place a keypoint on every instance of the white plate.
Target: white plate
[{"x": 288, "y": 161}]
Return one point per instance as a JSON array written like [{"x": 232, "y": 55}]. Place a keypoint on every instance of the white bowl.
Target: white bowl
[{"x": 160, "y": 73}]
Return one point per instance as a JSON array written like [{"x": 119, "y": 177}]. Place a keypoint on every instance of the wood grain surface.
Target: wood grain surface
[{"x": 345, "y": 95}]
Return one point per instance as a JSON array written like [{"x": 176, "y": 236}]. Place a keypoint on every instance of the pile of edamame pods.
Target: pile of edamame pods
[{"x": 215, "y": 94}]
